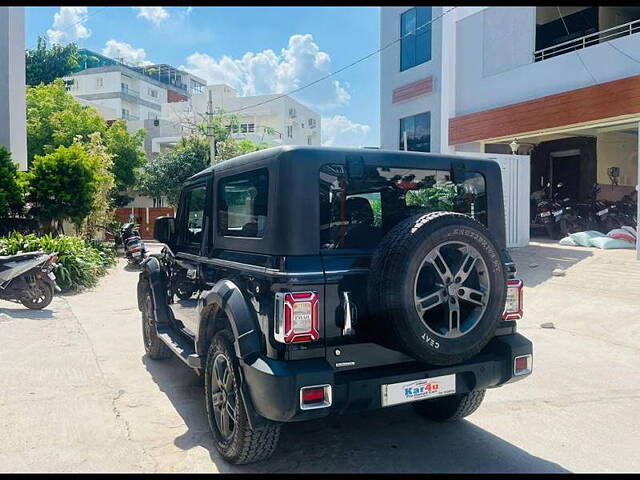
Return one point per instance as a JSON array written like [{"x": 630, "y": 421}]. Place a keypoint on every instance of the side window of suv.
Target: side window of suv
[
  {"x": 242, "y": 204},
  {"x": 192, "y": 220}
]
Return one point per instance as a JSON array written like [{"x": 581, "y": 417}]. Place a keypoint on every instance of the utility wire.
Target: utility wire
[
  {"x": 82, "y": 20},
  {"x": 595, "y": 82},
  {"x": 331, "y": 74}
]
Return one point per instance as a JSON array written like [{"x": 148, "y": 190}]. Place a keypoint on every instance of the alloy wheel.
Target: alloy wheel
[
  {"x": 223, "y": 396},
  {"x": 452, "y": 289}
]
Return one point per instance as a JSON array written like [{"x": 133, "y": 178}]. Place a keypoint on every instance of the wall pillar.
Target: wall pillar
[{"x": 13, "y": 110}]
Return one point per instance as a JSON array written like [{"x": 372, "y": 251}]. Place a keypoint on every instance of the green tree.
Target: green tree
[
  {"x": 128, "y": 158},
  {"x": 55, "y": 118},
  {"x": 231, "y": 147},
  {"x": 102, "y": 213},
  {"x": 11, "y": 198},
  {"x": 44, "y": 65},
  {"x": 63, "y": 184},
  {"x": 164, "y": 175}
]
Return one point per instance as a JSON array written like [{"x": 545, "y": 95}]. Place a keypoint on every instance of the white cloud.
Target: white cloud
[
  {"x": 68, "y": 25},
  {"x": 339, "y": 131},
  {"x": 266, "y": 72},
  {"x": 153, "y": 14},
  {"x": 124, "y": 51}
]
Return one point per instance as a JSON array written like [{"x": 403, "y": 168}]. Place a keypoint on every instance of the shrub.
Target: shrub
[{"x": 80, "y": 262}]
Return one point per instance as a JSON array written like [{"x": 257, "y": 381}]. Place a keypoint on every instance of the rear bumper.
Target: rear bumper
[{"x": 274, "y": 386}]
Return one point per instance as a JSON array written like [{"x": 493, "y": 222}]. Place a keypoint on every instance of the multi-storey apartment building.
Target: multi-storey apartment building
[
  {"x": 274, "y": 119},
  {"x": 560, "y": 85},
  {"x": 120, "y": 90}
]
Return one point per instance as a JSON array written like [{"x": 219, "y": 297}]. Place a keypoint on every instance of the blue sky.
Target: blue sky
[{"x": 256, "y": 50}]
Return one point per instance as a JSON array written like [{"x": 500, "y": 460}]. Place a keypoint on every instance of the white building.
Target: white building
[
  {"x": 275, "y": 119},
  {"x": 122, "y": 91},
  {"x": 563, "y": 83},
  {"x": 13, "y": 111}
]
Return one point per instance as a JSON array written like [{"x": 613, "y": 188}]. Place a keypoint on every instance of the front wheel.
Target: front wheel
[
  {"x": 234, "y": 438},
  {"x": 38, "y": 296},
  {"x": 450, "y": 408}
]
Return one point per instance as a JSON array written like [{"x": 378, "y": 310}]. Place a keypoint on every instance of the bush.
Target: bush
[{"x": 80, "y": 262}]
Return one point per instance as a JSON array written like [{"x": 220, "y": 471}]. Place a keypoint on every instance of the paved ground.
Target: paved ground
[{"x": 78, "y": 395}]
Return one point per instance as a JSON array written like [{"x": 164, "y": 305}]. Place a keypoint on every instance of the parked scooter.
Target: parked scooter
[
  {"x": 28, "y": 278},
  {"x": 134, "y": 247}
]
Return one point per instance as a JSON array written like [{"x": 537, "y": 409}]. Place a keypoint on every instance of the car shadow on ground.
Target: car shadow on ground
[
  {"x": 25, "y": 313},
  {"x": 536, "y": 261},
  {"x": 388, "y": 440}
]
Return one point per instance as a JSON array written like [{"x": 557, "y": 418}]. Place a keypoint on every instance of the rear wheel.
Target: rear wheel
[
  {"x": 234, "y": 438},
  {"x": 39, "y": 296},
  {"x": 450, "y": 408}
]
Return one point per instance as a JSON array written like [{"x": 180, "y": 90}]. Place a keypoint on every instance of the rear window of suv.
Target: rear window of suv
[{"x": 357, "y": 213}]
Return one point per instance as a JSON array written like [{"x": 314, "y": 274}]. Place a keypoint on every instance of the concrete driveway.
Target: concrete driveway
[{"x": 77, "y": 393}]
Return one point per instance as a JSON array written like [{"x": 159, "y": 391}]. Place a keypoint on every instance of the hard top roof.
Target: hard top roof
[{"x": 322, "y": 155}]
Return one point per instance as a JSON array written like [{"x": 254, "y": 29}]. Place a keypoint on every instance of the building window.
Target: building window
[
  {"x": 418, "y": 130},
  {"x": 157, "y": 202},
  {"x": 99, "y": 82},
  {"x": 292, "y": 112},
  {"x": 290, "y": 131},
  {"x": 247, "y": 127},
  {"x": 312, "y": 123},
  {"x": 415, "y": 30},
  {"x": 125, "y": 113},
  {"x": 242, "y": 204},
  {"x": 152, "y": 116},
  {"x": 70, "y": 85},
  {"x": 152, "y": 92},
  {"x": 309, "y": 140}
]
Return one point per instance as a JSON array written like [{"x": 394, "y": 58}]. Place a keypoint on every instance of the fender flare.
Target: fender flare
[
  {"x": 227, "y": 296},
  {"x": 152, "y": 275}
]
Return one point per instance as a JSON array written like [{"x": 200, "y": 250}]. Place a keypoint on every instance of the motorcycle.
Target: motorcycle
[
  {"x": 28, "y": 278},
  {"x": 548, "y": 212},
  {"x": 134, "y": 248}
]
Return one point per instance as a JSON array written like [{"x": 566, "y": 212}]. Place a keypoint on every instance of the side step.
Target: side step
[{"x": 181, "y": 346}]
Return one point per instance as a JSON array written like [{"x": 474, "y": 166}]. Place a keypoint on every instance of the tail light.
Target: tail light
[
  {"x": 296, "y": 317},
  {"x": 513, "y": 306},
  {"x": 52, "y": 260}
]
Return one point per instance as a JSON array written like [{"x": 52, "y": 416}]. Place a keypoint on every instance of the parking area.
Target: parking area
[{"x": 77, "y": 393}]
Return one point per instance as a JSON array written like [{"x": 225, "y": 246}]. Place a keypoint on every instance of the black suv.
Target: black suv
[{"x": 307, "y": 281}]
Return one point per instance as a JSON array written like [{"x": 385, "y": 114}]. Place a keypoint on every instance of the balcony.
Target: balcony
[
  {"x": 127, "y": 91},
  {"x": 587, "y": 40}
]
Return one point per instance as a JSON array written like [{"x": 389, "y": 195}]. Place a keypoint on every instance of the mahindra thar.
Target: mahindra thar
[{"x": 303, "y": 282}]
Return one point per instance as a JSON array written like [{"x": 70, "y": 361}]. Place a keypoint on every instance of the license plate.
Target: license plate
[
  {"x": 421, "y": 389},
  {"x": 51, "y": 275},
  {"x": 136, "y": 254},
  {"x": 557, "y": 212},
  {"x": 545, "y": 214},
  {"x": 602, "y": 212}
]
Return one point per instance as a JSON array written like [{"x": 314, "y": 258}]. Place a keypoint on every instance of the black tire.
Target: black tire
[
  {"x": 395, "y": 268},
  {"x": 41, "y": 301},
  {"x": 184, "y": 293},
  {"x": 450, "y": 408},
  {"x": 553, "y": 231},
  {"x": 243, "y": 444},
  {"x": 155, "y": 348}
]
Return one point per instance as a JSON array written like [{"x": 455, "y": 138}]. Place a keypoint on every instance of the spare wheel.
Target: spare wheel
[{"x": 438, "y": 286}]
